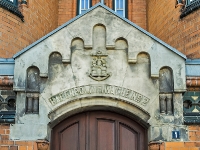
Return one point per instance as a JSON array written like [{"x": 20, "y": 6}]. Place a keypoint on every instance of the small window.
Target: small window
[
  {"x": 190, "y": 6},
  {"x": 83, "y": 5},
  {"x": 14, "y": 2},
  {"x": 120, "y": 7},
  {"x": 12, "y": 6},
  {"x": 188, "y": 2}
]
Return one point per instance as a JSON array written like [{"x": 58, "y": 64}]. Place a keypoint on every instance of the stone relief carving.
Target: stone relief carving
[
  {"x": 99, "y": 67},
  {"x": 166, "y": 91},
  {"x": 166, "y": 104},
  {"x": 32, "y": 88}
]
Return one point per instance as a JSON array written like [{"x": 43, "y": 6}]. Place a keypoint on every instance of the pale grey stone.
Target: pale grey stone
[{"x": 131, "y": 62}]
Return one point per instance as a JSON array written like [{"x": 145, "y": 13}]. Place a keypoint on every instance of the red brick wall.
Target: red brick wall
[
  {"x": 40, "y": 18},
  {"x": 164, "y": 22},
  {"x": 136, "y": 10},
  {"x": 194, "y": 133},
  {"x": 66, "y": 10},
  {"x": 95, "y": 2},
  {"x": 6, "y": 144}
]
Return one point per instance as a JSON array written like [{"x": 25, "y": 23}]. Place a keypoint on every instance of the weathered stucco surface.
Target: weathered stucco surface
[{"x": 131, "y": 62}]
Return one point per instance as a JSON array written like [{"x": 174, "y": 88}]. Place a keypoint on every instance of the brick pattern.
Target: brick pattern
[
  {"x": 40, "y": 18},
  {"x": 182, "y": 146},
  {"x": 66, "y": 10},
  {"x": 136, "y": 10},
  {"x": 165, "y": 23},
  {"x": 95, "y": 2},
  {"x": 108, "y": 3},
  {"x": 6, "y": 144},
  {"x": 194, "y": 133}
]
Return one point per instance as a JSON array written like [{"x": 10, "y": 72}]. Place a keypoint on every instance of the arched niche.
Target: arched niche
[
  {"x": 166, "y": 89},
  {"x": 55, "y": 64},
  {"x": 33, "y": 79},
  {"x": 77, "y": 44},
  {"x": 166, "y": 83},
  {"x": 99, "y": 37},
  {"x": 144, "y": 63},
  {"x": 121, "y": 44},
  {"x": 32, "y": 90}
]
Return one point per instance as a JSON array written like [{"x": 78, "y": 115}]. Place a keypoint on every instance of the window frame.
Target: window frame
[
  {"x": 15, "y": 2},
  {"x": 188, "y": 2},
  {"x": 190, "y": 7},
  {"x": 125, "y": 13},
  {"x": 78, "y": 10},
  {"x": 79, "y": 6},
  {"x": 12, "y": 7}
]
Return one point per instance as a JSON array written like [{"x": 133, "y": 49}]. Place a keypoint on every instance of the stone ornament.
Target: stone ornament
[
  {"x": 154, "y": 145},
  {"x": 42, "y": 145},
  {"x": 99, "y": 67}
]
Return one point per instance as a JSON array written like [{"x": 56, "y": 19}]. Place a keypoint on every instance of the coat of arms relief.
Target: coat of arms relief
[{"x": 99, "y": 67}]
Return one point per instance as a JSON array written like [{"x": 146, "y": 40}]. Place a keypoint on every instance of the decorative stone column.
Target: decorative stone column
[
  {"x": 169, "y": 103},
  {"x": 162, "y": 104}
]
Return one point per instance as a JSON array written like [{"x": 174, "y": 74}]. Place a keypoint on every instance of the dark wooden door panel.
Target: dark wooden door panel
[
  {"x": 69, "y": 134},
  {"x": 98, "y": 130},
  {"x": 128, "y": 138},
  {"x": 70, "y": 137},
  {"x": 105, "y": 135}
]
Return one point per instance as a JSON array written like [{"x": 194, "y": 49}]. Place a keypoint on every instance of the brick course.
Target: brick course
[
  {"x": 136, "y": 10},
  {"x": 66, "y": 10},
  {"x": 165, "y": 23},
  {"x": 7, "y": 144},
  {"x": 40, "y": 18}
]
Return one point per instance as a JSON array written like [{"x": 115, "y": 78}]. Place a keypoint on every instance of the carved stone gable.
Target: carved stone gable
[{"x": 99, "y": 61}]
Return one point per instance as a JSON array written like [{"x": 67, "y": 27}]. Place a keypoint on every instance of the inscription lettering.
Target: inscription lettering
[{"x": 99, "y": 90}]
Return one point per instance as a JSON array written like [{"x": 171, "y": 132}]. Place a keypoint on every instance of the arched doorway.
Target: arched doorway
[{"x": 98, "y": 130}]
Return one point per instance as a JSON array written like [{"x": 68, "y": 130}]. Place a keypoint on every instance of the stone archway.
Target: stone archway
[
  {"x": 98, "y": 130},
  {"x": 120, "y": 106}
]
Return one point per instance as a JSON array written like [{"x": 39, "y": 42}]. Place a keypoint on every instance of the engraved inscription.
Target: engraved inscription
[{"x": 99, "y": 90}]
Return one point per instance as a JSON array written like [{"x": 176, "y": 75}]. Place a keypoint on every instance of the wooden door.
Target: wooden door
[{"x": 98, "y": 130}]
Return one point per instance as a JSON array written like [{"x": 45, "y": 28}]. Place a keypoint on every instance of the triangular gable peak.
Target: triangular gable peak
[
  {"x": 114, "y": 13},
  {"x": 99, "y": 59},
  {"x": 137, "y": 39}
]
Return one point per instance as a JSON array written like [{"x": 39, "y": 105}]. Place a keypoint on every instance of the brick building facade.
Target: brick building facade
[{"x": 31, "y": 42}]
